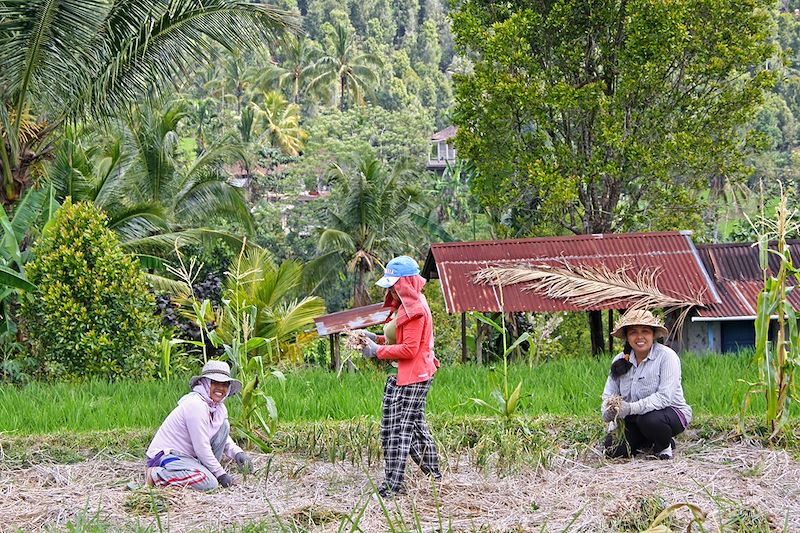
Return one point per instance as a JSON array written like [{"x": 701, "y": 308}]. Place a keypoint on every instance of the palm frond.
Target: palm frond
[
  {"x": 44, "y": 45},
  {"x": 145, "y": 44},
  {"x": 589, "y": 287},
  {"x": 213, "y": 198},
  {"x": 164, "y": 284}
]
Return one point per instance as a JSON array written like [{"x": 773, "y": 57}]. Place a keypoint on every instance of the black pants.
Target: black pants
[{"x": 654, "y": 429}]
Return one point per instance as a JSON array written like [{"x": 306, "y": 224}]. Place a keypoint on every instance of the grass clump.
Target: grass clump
[
  {"x": 147, "y": 501},
  {"x": 637, "y": 514}
]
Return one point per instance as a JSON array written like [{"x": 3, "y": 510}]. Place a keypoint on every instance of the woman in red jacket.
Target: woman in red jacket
[{"x": 404, "y": 431}]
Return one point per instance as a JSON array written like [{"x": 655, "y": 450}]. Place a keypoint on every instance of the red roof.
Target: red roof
[
  {"x": 671, "y": 253},
  {"x": 360, "y": 317},
  {"x": 736, "y": 272}
]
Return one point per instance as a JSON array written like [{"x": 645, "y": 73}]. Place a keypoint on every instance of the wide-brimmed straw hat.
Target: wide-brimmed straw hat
[
  {"x": 639, "y": 317},
  {"x": 217, "y": 371}
]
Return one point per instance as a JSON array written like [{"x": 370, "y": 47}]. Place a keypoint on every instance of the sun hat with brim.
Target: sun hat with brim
[
  {"x": 399, "y": 267},
  {"x": 218, "y": 371},
  {"x": 639, "y": 317}
]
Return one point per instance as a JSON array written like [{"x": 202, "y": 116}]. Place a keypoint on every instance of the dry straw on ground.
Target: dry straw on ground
[{"x": 586, "y": 494}]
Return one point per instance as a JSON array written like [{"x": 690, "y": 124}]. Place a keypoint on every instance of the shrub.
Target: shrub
[{"x": 92, "y": 314}]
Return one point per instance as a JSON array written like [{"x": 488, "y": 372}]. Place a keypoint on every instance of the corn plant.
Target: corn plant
[
  {"x": 247, "y": 352},
  {"x": 777, "y": 360},
  {"x": 506, "y": 400}
]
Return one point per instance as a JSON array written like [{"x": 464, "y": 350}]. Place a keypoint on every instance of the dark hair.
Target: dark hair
[{"x": 621, "y": 366}]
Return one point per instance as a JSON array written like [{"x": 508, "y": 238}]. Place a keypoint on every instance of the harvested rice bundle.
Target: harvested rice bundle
[
  {"x": 617, "y": 426},
  {"x": 356, "y": 339}
]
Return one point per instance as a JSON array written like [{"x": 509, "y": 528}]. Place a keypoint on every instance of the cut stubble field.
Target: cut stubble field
[{"x": 740, "y": 485}]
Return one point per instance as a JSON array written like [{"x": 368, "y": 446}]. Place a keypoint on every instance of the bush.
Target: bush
[{"x": 92, "y": 314}]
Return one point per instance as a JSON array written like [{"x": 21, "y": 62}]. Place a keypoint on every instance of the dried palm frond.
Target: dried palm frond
[{"x": 591, "y": 287}]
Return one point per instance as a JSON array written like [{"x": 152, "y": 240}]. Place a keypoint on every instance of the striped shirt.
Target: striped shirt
[{"x": 653, "y": 384}]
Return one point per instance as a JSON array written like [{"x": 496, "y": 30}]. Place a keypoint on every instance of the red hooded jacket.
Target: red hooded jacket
[{"x": 413, "y": 348}]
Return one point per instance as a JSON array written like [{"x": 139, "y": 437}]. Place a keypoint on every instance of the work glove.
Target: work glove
[
  {"x": 624, "y": 410},
  {"x": 609, "y": 415},
  {"x": 225, "y": 480},
  {"x": 368, "y": 334},
  {"x": 244, "y": 462},
  {"x": 370, "y": 349}
]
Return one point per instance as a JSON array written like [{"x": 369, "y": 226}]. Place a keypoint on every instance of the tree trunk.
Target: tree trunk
[{"x": 596, "y": 331}]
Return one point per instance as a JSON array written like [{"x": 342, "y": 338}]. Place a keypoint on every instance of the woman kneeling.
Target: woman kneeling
[
  {"x": 188, "y": 446},
  {"x": 644, "y": 389}
]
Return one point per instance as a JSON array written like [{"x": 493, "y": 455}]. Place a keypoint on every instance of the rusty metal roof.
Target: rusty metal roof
[
  {"x": 736, "y": 272},
  {"x": 360, "y": 317},
  {"x": 671, "y": 253}
]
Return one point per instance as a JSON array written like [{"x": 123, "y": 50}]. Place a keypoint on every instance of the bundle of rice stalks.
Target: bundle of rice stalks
[
  {"x": 617, "y": 426},
  {"x": 356, "y": 339},
  {"x": 148, "y": 501}
]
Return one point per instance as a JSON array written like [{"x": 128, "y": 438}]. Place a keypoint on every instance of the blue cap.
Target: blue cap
[{"x": 397, "y": 268}]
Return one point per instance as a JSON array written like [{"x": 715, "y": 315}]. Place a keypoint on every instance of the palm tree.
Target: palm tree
[
  {"x": 371, "y": 219},
  {"x": 346, "y": 68},
  {"x": 298, "y": 63},
  {"x": 74, "y": 59},
  {"x": 280, "y": 122},
  {"x": 151, "y": 196}
]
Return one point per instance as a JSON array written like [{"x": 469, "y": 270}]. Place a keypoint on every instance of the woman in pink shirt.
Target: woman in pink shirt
[
  {"x": 187, "y": 448},
  {"x": 404, "y": 430}
]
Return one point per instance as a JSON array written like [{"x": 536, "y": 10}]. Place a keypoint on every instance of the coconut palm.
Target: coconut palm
[
  {"x": 297, "y": 66},
  {"x": 151, "y": 196},
  {"x": 74, "y": 59},
  {"x": 280, "y": 122},
  {"x": 370, "y": 219},
  {"x": 346, "y": 69}
]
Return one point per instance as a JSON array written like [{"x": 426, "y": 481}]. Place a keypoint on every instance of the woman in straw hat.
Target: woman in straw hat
[
  {"x": 647, "y": 377},
  {"x": 408, "y": 340},
  {"x": 187, "y": 448}
]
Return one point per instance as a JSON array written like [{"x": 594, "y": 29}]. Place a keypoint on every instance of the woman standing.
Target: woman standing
[
  {"x": 404, "y": 430},
  {"x": 647, "y": 376}
]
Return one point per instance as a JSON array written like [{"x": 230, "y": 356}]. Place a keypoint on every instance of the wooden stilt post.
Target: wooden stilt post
[
  {"x": 463, "y": 337},
  {"x": 336, "y": 360},
  {"x": 610, "y": 329}
]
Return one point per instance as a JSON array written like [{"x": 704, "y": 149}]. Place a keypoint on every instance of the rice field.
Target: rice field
[{"x": 566, "y": 387}]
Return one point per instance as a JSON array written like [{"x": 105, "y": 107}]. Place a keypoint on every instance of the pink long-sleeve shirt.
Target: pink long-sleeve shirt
[{"x": 188, "y": 431}]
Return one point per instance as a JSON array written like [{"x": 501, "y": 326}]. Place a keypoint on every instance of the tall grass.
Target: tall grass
[{"x": 565, "y": 387}]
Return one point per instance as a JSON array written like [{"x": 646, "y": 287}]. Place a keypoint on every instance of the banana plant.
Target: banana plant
[{"x": 34, "y": 212}]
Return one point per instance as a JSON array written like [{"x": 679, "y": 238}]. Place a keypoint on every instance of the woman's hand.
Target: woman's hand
[
  {"x": 225, "y": 480},
  {"x": 244, "y": 462},
  {"x": 609, "y": 415},
  {"x": 370, "y": 349},
  {"x": 624, "y": 409},
  {"x": 368, "y": 334}
]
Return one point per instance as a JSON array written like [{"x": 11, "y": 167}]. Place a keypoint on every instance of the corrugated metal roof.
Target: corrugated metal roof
[
  {"x": 671, "y": 253},
  {"x": 360, "y": 317},
  {"x": 735, "y": 270}
]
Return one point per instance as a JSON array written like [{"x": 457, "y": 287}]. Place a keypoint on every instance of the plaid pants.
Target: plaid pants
[{"x": 404, "y": 432}]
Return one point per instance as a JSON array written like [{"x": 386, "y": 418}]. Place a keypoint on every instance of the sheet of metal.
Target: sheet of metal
[
  {"x": 671, "y": 254},
  {"x": 359, "y": 317},
  {"x": 736, "y": 271}
]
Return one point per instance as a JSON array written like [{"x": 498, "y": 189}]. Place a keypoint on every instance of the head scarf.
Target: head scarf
[{"x": 203, "y": 388}]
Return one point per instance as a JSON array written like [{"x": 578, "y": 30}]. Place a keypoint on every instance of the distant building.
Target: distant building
[
  {"x": 442, "y": 152},
  {"x": 727, "y": 326}
]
